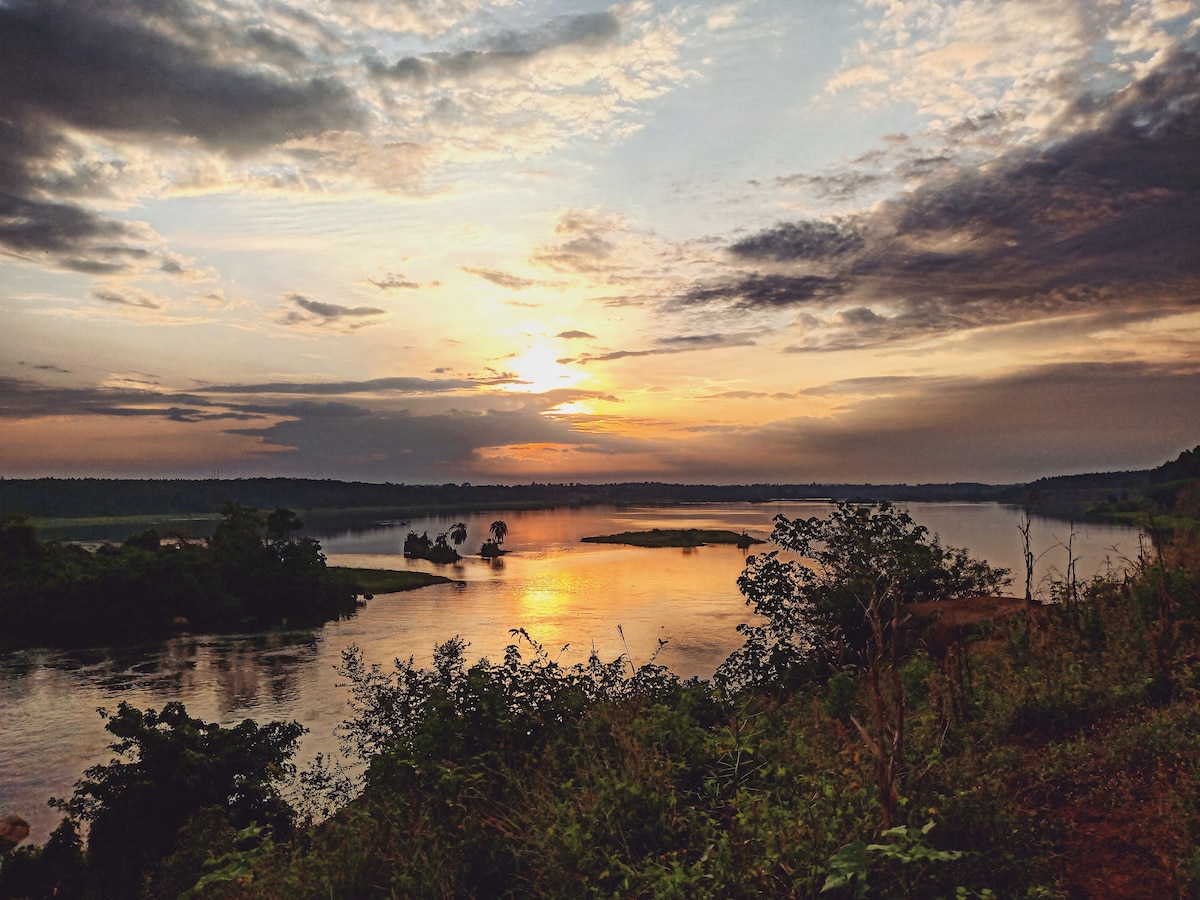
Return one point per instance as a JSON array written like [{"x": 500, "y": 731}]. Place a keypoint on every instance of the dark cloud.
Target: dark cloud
[
  {"x": 132, "y": 70},
  {"x": 394, "y": 385},
  {"x": 1107, "y": 219},
  {"x": 327, "y": 312},
  {"x": 103, "y": 66},
  {"x": 403, "y": 446},
  {"x": 504, "y": 52},
  {"x": 574, "y": 335},
  {"x": 503, "y": 279},
  {"x": 81, "y": 240},
  {"x": 25, "y": 399},
  {"x": 800, "y": 240},
  {"x": 764, "y": 291}
]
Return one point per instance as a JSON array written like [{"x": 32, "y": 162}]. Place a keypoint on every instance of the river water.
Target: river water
[{"x": 561, "y": 591}]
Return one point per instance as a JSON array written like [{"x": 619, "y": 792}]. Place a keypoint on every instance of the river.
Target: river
[{"x": 561, "y": 591}]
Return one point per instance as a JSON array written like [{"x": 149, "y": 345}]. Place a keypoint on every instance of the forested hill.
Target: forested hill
[
  {"x": 90, "y": 497},
  {"x": 1169, "y": 488}
]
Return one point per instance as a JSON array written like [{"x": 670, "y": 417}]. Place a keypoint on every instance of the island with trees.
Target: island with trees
[{"x": 254, "y": 572}]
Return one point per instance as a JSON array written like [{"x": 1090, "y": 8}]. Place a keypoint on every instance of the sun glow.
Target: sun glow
[{"x": 540, "y": 371}]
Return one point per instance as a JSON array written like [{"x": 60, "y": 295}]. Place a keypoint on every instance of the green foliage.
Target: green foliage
[
  {"x": 387, "y": 581},
  {"x": 169, "y": 767},
  {"x": 816, "y": 605},
  {"x": 906, "y": 855}
]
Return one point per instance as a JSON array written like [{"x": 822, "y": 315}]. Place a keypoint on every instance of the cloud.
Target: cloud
[
  {"x": 391, "y": 385},
  {"x": 574, "y": 335},
  {"x": 85, "y": 81},
  {"x": 1102, "y": 221},
  {"x": 128, "y": 297},
  {"x": 25, "y": 399},
  {"x": 1012, "y": 427},
  {"x": 321, "y": 313},
  {"x": 400, "y": 445},
  {"x": 666, "y": 346},
  {"x": 800, "y": 240},
  {"x": 393, "y": 281},
  {"x": 504, "y": 279},
  {"x": 507, "y": 53},
  {"x": 764, "y": 291},
  {"x": 588, "y": 245},
  {"x": 125, "y": 68}
]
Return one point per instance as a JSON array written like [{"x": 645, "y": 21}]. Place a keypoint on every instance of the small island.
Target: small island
[{"x": 676, "y": 537}]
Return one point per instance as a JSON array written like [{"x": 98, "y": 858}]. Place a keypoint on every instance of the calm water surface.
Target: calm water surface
[{"x": 562, "y": 592}]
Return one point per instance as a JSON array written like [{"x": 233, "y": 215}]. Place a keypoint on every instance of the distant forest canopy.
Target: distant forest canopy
[
  {"x": 80, "y": 497},
  {"x": 68, "y": 498}
]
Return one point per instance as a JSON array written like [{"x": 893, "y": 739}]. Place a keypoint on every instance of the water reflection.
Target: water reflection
[{"x": 562, "y": 592}]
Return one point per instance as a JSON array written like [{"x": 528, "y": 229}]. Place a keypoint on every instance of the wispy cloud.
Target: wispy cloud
[
  {"x": 504, "y": 279},
  {"x": 687, "y": 343},
  {"x": 393, "y": 281}
]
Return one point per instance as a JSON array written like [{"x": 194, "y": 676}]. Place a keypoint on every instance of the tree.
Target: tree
[
  {"x": 841, "y": 603},
  {"x": 498, "y": 531},
  {"x": 458, "y": 534},
  {"x": 281, "y": 524},
  {"x": 169, "y": 768}
]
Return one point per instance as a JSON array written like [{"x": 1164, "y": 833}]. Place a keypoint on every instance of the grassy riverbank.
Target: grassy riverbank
[{"x": 387, "y": 581}]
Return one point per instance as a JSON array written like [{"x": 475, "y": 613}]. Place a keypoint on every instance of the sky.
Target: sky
[{"x": 504, "y": 241}]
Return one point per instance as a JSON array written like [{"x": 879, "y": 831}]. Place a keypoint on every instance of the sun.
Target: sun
[{"x": 540, "y": 371}]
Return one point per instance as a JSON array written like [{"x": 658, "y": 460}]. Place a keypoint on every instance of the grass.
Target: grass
[
  {"x": 672, "y": 537},
  {"x": 389, "y": 581}
]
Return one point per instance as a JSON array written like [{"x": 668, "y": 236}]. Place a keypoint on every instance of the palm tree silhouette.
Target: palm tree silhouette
[
  {"x": 498, "y": 530},
  {"x": 458, "y": 534}
]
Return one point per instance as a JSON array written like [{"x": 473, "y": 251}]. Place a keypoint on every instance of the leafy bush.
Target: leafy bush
[
  {"x": 170, "y": 767},
  {"x": 818, "y": 607}
]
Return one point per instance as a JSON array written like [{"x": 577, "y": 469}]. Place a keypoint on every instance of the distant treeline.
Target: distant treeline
[
  {"x": 92, "y": 497},
  {"x": 1167, "y": 490},
  {"x": 66, "y": 498}
]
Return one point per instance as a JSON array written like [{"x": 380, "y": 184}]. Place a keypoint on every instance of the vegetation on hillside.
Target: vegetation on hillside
[
  {"x": 849, "y": 749},
  {"x": 254, "y": 571}
]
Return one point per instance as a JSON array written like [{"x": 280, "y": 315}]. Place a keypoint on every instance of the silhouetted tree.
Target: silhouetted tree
[{"x": 498, "y": 531}]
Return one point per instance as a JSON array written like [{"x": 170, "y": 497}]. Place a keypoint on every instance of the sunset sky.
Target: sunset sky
[{"x": 558, "y": 240}]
